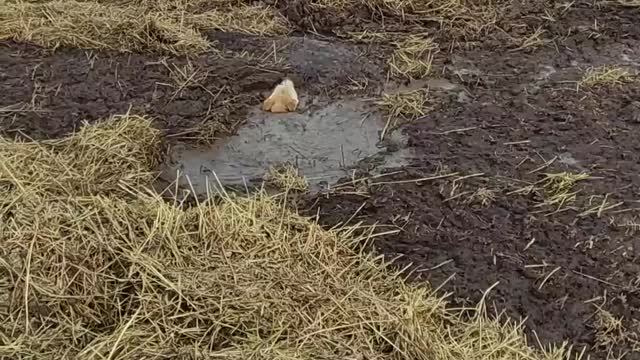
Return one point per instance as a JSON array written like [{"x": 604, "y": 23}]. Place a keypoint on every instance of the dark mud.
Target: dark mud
[
  {"x": 522, "y": 118},
  {"x": 49, "y": 94},
  {"x": 512, "y": 116},
  {"x": 325, "y": 142}
]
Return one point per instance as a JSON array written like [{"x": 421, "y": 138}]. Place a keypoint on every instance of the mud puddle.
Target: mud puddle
[{"x": 325, "y": 141}]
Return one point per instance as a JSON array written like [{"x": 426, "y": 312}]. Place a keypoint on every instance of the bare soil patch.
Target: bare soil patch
[
  {"x": 488, "y": 213},
  {"x": 48, "y": 94},
  {"x": 520, "y": 117}
]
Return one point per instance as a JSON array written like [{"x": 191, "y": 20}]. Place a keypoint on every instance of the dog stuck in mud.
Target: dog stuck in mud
[{"x": 283, "y": 99}]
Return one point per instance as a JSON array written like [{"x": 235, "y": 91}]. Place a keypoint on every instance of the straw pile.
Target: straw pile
[
  {"x": 94, "y": 266},
  {"x": 130, "y": 26}
]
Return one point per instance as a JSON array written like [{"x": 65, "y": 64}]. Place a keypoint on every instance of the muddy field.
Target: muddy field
[{"x": 473, "y": 206}]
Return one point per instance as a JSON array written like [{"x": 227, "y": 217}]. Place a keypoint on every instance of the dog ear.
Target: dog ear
[
  {"x": 268, "y": 104},
  {"x": 291, "y": 104}
]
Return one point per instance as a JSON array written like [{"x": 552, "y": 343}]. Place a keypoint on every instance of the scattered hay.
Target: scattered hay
[
  {"x": 483, "y": 196},
  {"x": 460, "y": 18},
  {"x": 372, "y": 37},
  {"x": 95, "y": 26},
  {"x": 211, "y": 130},
  {"x": 532, "y": 41},
  {"x": 286, "y": 177},
  {"x": 558, "y": 188},
  {"x": 108, "y": 158},
  {"x": 129, "y": 26},
  {"x": 609, "y": 329},
  {"x": 186, "y": 76},
  {"x": 562, "y": 183},
  {"x": 169, "y": 6},
  {"x": 630, "y": 225},
  {"x": 412, "y": 57},
  {"x": 125, "y": 275},
  {"x": 605, "y": 76},
  {"x": 252, "y": 20},
  {"x": 404, "y": 107},
  {"x": 408, "y": 105}
]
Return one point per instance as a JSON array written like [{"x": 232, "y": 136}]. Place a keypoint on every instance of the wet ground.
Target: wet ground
[
  {"x": 325, "y": 141},
  {"x": 504, "y": 118}
]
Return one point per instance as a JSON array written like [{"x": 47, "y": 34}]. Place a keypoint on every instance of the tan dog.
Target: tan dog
[{"x": 283, "y": 99}]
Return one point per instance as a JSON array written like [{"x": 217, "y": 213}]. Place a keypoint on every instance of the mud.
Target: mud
[
  {"x": 49, "y": 94},
  {"x": 324, "y": 140},
  {"x": 504, "y": 117},
  {"x": 324, "y": 67},
  {"x": 522, "y": 118}
]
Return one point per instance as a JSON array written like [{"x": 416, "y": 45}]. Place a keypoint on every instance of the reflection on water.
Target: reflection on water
[{"x": 325, "y": 142}]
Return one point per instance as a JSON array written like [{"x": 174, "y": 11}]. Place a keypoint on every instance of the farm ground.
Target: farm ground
[{"x": 530, "y": 167}]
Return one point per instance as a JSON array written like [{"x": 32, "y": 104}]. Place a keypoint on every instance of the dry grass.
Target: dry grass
[
  {"x": 187, "y": 75},
  {"x": 609, "y": 329},
  {"x": 253, "y": 20},
  {"x": 96, "y": 26},
  {"x": 457, "y": 17},
  {"x": 605, "y": 76},
  {"x": 84, "y": 163},
  {"x": 408, "y": 105},
  {"x": 558, "y": 188},
  {"x": 532, "y": 41},
  {"x": 403, "y": 107},
  {"x": 373, "y": 37},
  {"x": 98, "y": 267},
  {"x": 127, "y": 27},
  {"x": 483, "y": 197},
  {"x": 413, "y": 57},
  {"x": 286, "y": 177},
  {"x": 561, "y": 183}
]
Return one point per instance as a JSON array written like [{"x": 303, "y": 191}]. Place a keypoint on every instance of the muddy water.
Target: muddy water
[{"x": 325, "y": 141}]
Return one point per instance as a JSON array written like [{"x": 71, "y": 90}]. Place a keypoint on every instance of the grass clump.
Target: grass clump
[
  {"x": 408, "y": 105},
  {"x": 108, "y": 158},
  {"x": 123, "y": 26},
  {"x": 413, "y": 57},
  {"x": 252, "y": 20},
  {"x": 96, "y": 26},
  {"x": 609, "y": 329},
  {"x": 605, "y": 76},
  {"x": 101, "y": 267},
  {"x": 558, "y": 188},
  {"x": 458, "y": 17},
  {"x": 286, "y": 177},
  {"x": 403, "y": 107}
]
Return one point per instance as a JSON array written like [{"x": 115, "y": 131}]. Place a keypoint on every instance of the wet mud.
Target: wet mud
[
  {"x": 326, "y": 141},
  {"x": 503, "y": 119},
  {"x": 520, "y": 117},
  {"x": 49, "y": 94}
]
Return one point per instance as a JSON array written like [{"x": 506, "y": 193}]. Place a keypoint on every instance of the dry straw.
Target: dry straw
[
  {"x": 94, "y": 266},
  {"x": 412, "y": 57},
  {"x": 605, "y": 76},
  {"x": 96, "y": 26},
  {"x": 286, "y": 177},
  {"x": 127, "y": 27}
]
